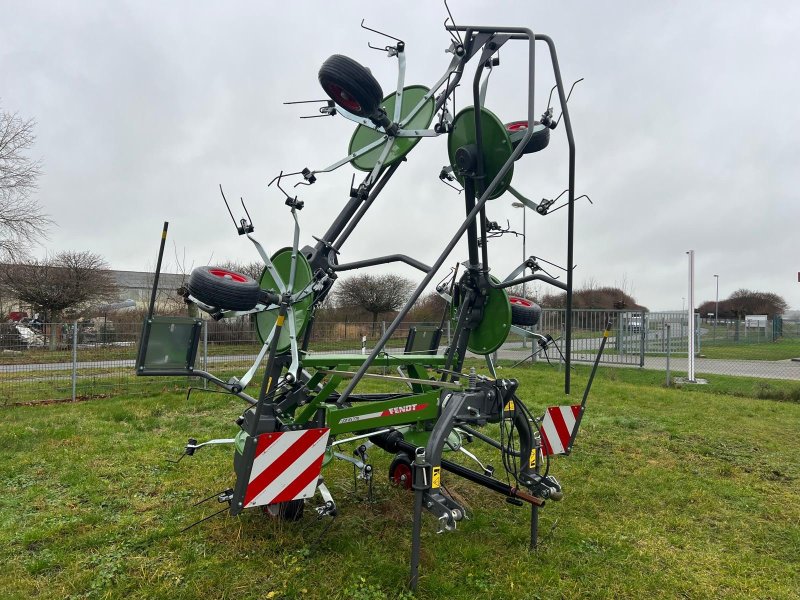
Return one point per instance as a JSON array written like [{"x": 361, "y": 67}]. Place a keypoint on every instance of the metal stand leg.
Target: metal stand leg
[
  {"x": 534, "y": 527},
  {"x": 416, "y": 534}
]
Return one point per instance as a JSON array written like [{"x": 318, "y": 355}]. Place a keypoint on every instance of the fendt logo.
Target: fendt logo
[
  {"x": 398, "y": 410},
  {"x": 405, "y": 409}
]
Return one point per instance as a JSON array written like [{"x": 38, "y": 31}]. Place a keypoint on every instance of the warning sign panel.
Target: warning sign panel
[{"x": 436, "y": 478}]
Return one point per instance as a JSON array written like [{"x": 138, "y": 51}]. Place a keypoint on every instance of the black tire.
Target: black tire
[
  {"x": 539, "y": 140},
  {"x": 224, "y": 289},
  {"x": 351, "y": 86},
  {"x": 524, "y": 312},
  {"x": 286, "y": 511},
  {"x": 400, "y": 471}
]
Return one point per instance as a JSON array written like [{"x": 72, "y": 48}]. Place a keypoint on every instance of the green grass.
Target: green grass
[
  {"x": 691, "y": 492},
  {"x": 781, "y": 349}
]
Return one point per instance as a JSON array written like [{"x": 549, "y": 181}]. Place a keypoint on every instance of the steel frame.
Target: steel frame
[{"x": 290, "y": 397}]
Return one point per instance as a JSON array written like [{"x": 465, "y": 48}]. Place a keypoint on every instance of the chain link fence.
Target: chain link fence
[
  {"x": 660, "y": 340},
  {"x": 42, "y": 362},
  {"x": 49, "y": 362}
]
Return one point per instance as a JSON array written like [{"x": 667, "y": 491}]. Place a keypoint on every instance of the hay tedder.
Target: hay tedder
[{"x": 307, "y": 405}]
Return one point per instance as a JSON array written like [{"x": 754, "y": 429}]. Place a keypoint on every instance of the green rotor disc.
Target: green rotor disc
[
  {"x": 265, "y": 320},
  {"x": 495, "y": 325},
  {"x": 363, "y": 136},
  {"x": 497, "y": 146}
]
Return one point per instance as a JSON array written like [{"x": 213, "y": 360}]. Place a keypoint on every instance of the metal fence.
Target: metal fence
[
  {"x": 44, "y": 362},
  {"x": 624, "y": 345},
  {"x": 660, "y": 340}
]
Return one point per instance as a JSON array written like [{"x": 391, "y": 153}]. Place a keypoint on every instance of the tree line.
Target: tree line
[
  {"x": 74, "y": 279},
  {"x": 745, "y": 302}
]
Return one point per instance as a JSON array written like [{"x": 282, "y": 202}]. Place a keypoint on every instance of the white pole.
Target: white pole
[
  {"x": 690, "y": 310},
  {"x": 74, "y": 359},
  {"x": 524, "y": 252}
]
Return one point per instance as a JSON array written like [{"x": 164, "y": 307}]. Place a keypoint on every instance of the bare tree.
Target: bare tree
[
  {"x": 531, "y": 292},
  {"x": 429, "y": 308},
  {"x": 374, "y": 294},
  {"x": 747, "y": 302},
  {"x": 252, "y": 269},
  {"x": 67, "y": 280},
  {"x": 22, "y": 222}
]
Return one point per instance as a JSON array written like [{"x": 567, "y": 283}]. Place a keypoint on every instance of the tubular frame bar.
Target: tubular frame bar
[
  {"x": 355, "y": 217},
  {"x": 204, "y": 375},
  {"x": 525, "y": 33},
  {"x": 534, "y": 277},
  {"x": 381, "y": 260}
]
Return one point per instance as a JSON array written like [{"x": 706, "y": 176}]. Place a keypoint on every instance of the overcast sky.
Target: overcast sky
[{"x": 686, "y": 129}]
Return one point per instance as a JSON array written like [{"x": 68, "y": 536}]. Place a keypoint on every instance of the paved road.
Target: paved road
[{"x": 767, "y": 369}]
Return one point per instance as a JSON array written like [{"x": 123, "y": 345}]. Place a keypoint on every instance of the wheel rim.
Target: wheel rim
[
  {"x": 402, "y": 476},
  {"x": 343, "y": 99},
  {"x": 520, "y": 301},
  {"x": 517, "y": 126},
  {"x": 229, "y": 275}
]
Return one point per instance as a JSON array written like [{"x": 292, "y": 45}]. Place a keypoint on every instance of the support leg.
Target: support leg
[{"x": 416, "y": 533}]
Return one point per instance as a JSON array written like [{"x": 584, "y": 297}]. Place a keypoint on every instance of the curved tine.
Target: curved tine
[
  {"x": 451, "y": 186},
  {"x": 384, "y": 49},
  {"x": 539, "y": 258},
  {"x": 550, "y": 212},
  {"x": 550, "y": 275},
  {"x": 572, "y": 87},
  {"x": 391, "y": 37},
  {"x": 246, "y": 211},
  {"x": 304, "y": 101},
  {"x": 228, "y": 207},
  {"x": 561, "y": 194},
  {"x": 453, "y": 21},
  {"x": 281, "y": 175},
  {"x": 577, "y": 81},
  {"x": 453, "y": 38},
  {"x": 550, "y": 97}
]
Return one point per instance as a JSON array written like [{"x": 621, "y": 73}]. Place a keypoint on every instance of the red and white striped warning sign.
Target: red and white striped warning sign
[
  {"x": 557, "y": 427},
  {"x": 286, "y": 466}
]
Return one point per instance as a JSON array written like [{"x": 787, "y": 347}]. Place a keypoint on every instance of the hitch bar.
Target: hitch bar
[
  {"x": 391, "y": 442},
  {"x": 490, "y": 483}
]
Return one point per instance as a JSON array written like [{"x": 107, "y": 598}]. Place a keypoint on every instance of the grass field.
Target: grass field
[
  {"x": 691, "y": 492},
  {"x": 781, "y": 349}
]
